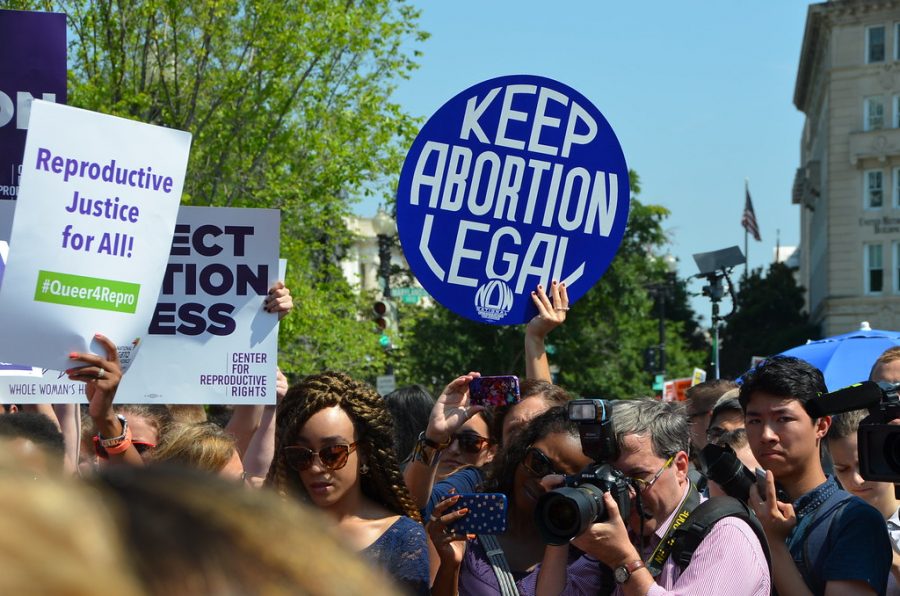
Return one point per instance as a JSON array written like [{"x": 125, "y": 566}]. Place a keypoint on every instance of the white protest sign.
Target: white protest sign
[
  {"x": 22, "y": 385},
  {"x": 210, "y": 341},
  {"x": 91, "y": 236}
]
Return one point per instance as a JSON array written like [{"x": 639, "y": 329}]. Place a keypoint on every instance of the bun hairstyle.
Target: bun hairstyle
[{"x": 374, "y": 430}]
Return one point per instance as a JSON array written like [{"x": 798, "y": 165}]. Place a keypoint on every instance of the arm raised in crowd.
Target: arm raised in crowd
[
  {"x": 261, "y": 449},
  {"x": 551, "y": 314},
  {"x": 69, "y": 418},
  {"x": 246, "y": 421},
  {"x": 450, "y": 412},
  {"x": 101, "y": 377}
]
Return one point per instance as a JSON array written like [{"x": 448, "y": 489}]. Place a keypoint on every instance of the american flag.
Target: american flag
[{"x": 748, "y": 220}]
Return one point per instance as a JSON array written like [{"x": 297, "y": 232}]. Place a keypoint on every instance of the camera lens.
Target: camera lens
[
  {"x": 566, "y": 512},
  {"x": 725, "y": 469}
]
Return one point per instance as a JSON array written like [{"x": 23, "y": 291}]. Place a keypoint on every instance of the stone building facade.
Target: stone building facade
[{"x": 848, "y": 182}]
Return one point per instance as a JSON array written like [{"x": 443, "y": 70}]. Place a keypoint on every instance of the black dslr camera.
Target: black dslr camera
[
  {"x": 564, "y": 513},
  {"x": 878, "y": 442}
]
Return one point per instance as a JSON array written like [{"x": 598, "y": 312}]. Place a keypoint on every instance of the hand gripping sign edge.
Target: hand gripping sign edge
[{"x": 515, "y": 181}]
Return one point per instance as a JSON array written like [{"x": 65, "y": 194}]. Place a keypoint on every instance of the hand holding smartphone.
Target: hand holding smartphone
[
  {"x": 494, "y": 391},
  {"x": 762, "y": 485},
  {"x": 487, "y": 513}
]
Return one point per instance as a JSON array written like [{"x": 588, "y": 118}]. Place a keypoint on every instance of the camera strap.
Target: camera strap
[{"x": 662, "y": 551}]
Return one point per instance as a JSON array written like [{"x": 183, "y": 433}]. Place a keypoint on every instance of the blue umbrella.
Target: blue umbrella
[{"x": 848, "y": 358}]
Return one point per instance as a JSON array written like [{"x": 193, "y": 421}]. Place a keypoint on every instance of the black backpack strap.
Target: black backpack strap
[{"x": 691, "y": 533}]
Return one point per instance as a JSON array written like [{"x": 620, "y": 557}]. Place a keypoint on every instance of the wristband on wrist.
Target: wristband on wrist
[
  {"x": 122, "y": 446},
  {"x": 114, "y": 441},
  {"x": 426, "y": 451},
  {"x": 434, "y": 444}
]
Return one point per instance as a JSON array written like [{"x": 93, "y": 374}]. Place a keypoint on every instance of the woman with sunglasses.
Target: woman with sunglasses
[
  {"x": 334, "y": 449},
  {"x": 548, "y": 445},
  {"x": 470, "y": 445}
]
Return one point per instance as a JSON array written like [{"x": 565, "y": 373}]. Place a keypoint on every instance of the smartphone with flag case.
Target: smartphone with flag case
[
  {"x": 494, "y": 391},
  {"x": 487, "y": 513}
]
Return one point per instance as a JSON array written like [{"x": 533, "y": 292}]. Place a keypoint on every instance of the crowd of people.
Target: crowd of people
[{"x": 338, "y": 490}]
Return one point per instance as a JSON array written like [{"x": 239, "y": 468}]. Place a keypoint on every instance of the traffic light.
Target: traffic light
[
  {"x": 384, "y": 313},
  {"x": 651, "y": 359}
]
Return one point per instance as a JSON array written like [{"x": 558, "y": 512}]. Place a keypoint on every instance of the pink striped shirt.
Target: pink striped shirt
[{"x": 729, "y": 561}]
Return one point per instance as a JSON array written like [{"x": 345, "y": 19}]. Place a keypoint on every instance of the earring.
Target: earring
[{"x": 364, "y": 469}]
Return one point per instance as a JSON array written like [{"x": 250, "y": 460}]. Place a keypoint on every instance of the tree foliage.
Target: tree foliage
[
  {"x": 768, "y": 319},
  {"x": 289, "y": 106},
  {"x": 599, "y": 350}
]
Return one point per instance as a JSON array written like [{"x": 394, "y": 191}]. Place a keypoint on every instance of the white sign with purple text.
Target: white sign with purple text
[
  {"x": 91, "y": 236},
  {"x": 210, "y": 341},
  {"x": 514, "y": 182}
]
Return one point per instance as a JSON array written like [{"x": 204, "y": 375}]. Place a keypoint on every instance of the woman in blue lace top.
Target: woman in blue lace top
[{"x": 334, "y": 449}]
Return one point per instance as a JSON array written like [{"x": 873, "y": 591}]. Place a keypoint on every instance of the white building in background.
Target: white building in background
[
  {"x": 848, "y": 183},
  {"x": 361, "y": 264}
]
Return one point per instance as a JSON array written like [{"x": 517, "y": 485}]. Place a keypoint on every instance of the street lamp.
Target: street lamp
[
  {"x": 385, "y": 228},
  {"x": 661, "y": 291}
]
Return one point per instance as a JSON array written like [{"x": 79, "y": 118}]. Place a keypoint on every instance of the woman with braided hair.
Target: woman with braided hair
[{"x": 334, "y": 449}]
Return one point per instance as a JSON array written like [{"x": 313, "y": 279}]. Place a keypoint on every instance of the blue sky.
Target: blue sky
[{"x": 699, "y": 94}]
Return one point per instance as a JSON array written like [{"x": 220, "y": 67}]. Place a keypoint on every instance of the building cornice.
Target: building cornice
[
  {"x": 809, "y": 49},
  {"x": 819, "y": 19}
]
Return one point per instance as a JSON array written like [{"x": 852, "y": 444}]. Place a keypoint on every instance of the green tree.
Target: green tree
[
  {"x": 289, "y": 104},
  {"x": 768, "y": 319},
  {"x": 600, "y": 347}
]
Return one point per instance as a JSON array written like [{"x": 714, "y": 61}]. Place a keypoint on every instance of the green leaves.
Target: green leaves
[
  {"x": 290, "y": 107},
  {"x": 768, "y": 319}
]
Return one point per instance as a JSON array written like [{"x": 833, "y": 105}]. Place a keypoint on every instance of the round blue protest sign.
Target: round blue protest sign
[{"x": 515, "y": 182}]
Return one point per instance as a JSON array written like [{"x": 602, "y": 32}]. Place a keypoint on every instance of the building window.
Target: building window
[
  {"x": 896, "y": 187},
  {"x": 874, "y": 189},
  {"x": 875, "y": 44},
  {"x": 897, "y": 41},
  {"x": 896, "y": 257},
  {"x": 873, "y": 113},
  {"x": 897, "y": 111},
  {"x": 874, "y": 268}
]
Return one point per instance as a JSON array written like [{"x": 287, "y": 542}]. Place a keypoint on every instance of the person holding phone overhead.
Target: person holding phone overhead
[{"x": 334, "y": 449}]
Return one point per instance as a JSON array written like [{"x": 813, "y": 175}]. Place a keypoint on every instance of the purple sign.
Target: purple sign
[{"x": 33, "y": 47}]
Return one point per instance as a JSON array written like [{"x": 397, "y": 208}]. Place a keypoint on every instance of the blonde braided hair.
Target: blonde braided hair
[{"x": 374, "y": 428}]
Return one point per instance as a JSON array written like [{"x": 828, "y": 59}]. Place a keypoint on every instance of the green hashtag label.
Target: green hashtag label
[{"x": 86, "y": 292}]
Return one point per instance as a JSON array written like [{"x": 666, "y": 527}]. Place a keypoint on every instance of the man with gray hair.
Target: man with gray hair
[{"x": 653, "y": 441}]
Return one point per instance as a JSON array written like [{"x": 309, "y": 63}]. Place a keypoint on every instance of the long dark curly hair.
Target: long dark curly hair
[{"x": 383, "y": 483}]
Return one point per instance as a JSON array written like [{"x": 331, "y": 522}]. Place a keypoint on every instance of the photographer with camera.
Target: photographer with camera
[
  {"x": 825, "y": 541},
  {"x": 648, "y": 476}
]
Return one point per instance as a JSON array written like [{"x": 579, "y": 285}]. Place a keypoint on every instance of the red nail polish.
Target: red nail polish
[{"x": 73, "y": 355}]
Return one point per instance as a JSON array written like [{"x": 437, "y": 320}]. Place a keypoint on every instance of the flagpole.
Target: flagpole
[
  {"x": 777, "y": 244},
  {"x": 746, "y": 254},
  {"x": 746, "y": 245}
]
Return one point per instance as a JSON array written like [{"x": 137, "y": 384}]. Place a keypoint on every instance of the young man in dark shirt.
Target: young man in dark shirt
[{"x": 825, "y": 541}]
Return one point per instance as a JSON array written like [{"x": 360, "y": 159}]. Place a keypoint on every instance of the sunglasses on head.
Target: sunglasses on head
[
  {"x": 332, "y": 457},
  {"x": 470, "y": 442},
  {"x": 538, "y": 464},
  {"x": 141, "y": 446}
]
